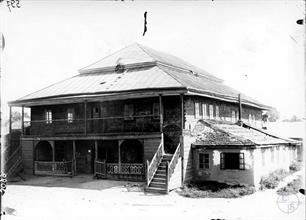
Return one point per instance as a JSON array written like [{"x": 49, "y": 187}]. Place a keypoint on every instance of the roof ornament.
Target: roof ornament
[{"x": 119, "y": 66}]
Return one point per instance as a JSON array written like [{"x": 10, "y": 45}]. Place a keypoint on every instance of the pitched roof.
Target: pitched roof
[
  {"x": 144, "y": 69},
  {"x": 224, "y": 133}
]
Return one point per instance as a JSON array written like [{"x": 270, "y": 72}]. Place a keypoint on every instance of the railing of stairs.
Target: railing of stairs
[
  {"x": 153, "y": 166},
  {"x": 171, "y": 166},
  {"x": 12, "y": 162}
]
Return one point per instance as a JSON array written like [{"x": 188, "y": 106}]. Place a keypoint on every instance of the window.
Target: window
[
  {"x": 217, "y": 112},
  {"x": 204, "y": 110},
  {"x": 70, "y": 115},
  {"x": 197, "y": 109},
  {"x": 232, "y": 161},
  {"x": 233, "y": 116},
  {"x": 272, "y": 154},
  {"x": 250, "y": 118},
  {"x": 128, "y": 111},
  {"x": 211, "y": 111},
  {"x": 48, "y": 116},
  {"x": 263, "y": 157},
  {"x": 203, "y": 161},
  {"x": 155, "y": 110}
]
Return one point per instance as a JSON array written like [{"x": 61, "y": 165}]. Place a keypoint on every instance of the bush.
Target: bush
[
  {"x": 291, "y": 188},
  {"x": 212, "y": 189},
  {"x": 295, "y": 166},
  {"x": 272, "y": 181}
]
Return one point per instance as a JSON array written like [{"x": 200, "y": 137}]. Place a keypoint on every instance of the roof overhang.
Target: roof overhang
[{"x": 92, "y": 97}]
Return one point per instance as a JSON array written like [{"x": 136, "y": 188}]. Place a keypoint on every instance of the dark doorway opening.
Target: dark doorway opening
[
  {"x": 85, "y": 154},
  {"x": 43, "y": 151},
  {"x": 131, "y": 151}
]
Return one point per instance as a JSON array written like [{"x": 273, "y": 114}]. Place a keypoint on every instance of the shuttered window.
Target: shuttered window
[
  {"x": 232, "y": 161},
  {"x": 48, "y": 116},
  {"x": 128, "y": 111},
  {"x": 204, "y": 110},
  {"x": 70, "y": 115},
  {"x": 211, "y": 111},
  {"x": 155, "y": 110},
  {"x": 197, "y": 109}
]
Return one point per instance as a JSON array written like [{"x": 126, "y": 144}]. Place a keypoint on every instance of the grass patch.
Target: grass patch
[
  {"x": 291, "y": 188},
  {"x": 212, "y": 189},
  {"x": 272, "y": 180}
]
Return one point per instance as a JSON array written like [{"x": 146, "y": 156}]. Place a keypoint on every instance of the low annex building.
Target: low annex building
[{"x": 140, "y": 114}]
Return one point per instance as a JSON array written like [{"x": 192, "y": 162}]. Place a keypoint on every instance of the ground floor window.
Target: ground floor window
[
  {"x": 203, "y": 161},
  {"x": 232, "y": 161}
]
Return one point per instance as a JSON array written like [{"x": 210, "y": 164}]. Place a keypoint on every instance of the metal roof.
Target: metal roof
[
  {"x": 230, "y": 134},
  {"x": 144, "y": 69}
]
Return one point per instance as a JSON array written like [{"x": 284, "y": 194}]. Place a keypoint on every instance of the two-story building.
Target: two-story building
[{"x": 144, "y": 115}]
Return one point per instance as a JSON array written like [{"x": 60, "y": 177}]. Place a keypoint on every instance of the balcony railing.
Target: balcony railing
[
  {"x": 53, "y": 168},
  {"x": 91, "y": 126}
]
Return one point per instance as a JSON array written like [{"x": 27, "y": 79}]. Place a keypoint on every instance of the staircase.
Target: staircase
[{"x": 159, "y": 181}]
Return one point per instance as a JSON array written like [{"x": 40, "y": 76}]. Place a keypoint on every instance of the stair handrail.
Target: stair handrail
[
  {"x": 13, "y": 155},
  {"x": 153, "y": 165},
  {"x": 174, "y": 160},
  {"x": 14, "y": 166}
]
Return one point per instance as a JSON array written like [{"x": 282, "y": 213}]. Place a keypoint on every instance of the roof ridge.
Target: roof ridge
[
  {"x": 169, "y": 74},
  {"x": 117, "y": 51}
]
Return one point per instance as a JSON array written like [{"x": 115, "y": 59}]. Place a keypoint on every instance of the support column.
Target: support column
[
  {"x": 182, "y": 138},
  {"x": 96, "y": 156},
  {"x": 161, "y": 113},
  {"x": 119, "y": 156},
  {"x": 22, "y": 120},
  {"x": 53, "y": 150},
  {"x": 10, "y": 121},
  {"x": 85, "y": 117},
  {"x": 239, "y": 110},
  {"x": 73, "y": 158}
]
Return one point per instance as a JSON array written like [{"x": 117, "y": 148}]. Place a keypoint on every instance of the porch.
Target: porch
[{"x": 111, "y": 159}]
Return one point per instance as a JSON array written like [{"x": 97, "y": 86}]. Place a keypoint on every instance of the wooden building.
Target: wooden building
[{"x": 132, "y": 115}]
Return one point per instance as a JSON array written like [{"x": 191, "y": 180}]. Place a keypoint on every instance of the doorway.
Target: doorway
[{"x": 84, "y": 155}]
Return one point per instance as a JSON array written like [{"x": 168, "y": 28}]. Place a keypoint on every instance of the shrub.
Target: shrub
[
  {"x": 272, "y": 180},
  {"x": 291, "y": 188},
  {"x": 212, "y": 189},
  {"x": 295, "y": 166}
]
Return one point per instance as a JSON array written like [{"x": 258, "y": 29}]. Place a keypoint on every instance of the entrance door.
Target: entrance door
[{"x": 84, "y": 157}]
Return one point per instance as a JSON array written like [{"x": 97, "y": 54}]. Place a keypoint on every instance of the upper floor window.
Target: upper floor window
[
  {"x": 155, "y": 110},
  {"x": 197, "y": 109},
  {"x": 211, "y": 111},
  {"x": 217, "y": 112},
  {"x": 203, "y": 161},
  {"x": 48, "y": 116},
  {"x": 128, "y": 112},
  {"x": 70, "y": 115}
]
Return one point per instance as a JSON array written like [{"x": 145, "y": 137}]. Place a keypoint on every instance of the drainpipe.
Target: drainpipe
[{"x": 239, "y": 110}]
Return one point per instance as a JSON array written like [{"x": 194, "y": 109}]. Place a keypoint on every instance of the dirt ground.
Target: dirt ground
[{"x": 85, "y": 198}]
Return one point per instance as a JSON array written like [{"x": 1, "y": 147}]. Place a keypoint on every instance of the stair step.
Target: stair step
[
  {"x": 161, "y": 172},
  {"x": 163, "y": 176},
  {"x": 158, "y": 185},
  {"x": 156, "y": 190},
  {"x": 158, "y": 179}
]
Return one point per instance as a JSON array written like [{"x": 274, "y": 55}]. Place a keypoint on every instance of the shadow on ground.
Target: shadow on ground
[{"x": 79, "y": 182}]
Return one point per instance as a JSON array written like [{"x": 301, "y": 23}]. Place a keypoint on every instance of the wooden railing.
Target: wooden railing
[
  {"x": 100, "y": 168},
  {"x": 10, "y": 163},
  {"x": 53, "y": 168},
  {"x": 170, "y": 167},
  {"x": 152, "y": 167},
  {"x": 125, "y": 168}
]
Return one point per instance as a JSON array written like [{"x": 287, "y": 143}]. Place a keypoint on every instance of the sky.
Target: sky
[{"x": 256, "y": 47}]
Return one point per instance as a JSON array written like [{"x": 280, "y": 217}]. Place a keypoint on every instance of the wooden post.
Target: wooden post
[
  {"x": 96, "y": 155},
  {"x": 85, "y": 117},
  {"x": 73, "y": 158},
  {"x": 161, "y": 113},
  {"x": 22, "y": 120},
  {"x": 182, "y": 112},
  {"x": 10, "y": 121},
  {"x": 167, "y": 177},
  {"x": 119, "y": 157},
  {"x": 53, "y": 150},
  {"x": 147, "y": 173}
]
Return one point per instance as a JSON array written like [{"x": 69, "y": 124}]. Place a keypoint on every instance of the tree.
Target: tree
[
  {"x": 272, "y": 115},
  {"x": 16, "y": 117}
]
